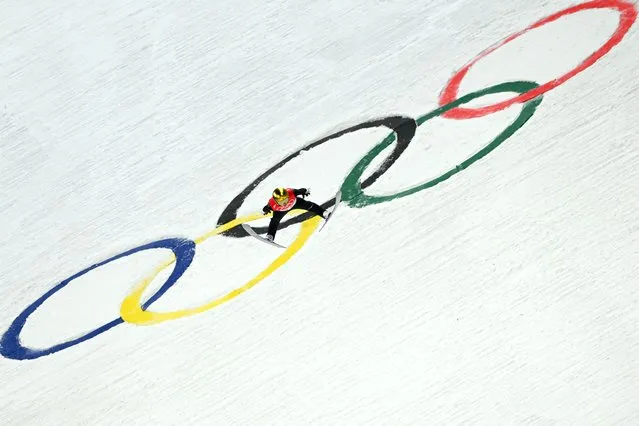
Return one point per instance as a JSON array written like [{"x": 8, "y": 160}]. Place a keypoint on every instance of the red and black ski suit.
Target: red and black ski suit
[{"x": 294, "y": 200}]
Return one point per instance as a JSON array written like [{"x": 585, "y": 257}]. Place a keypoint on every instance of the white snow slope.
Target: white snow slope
[{"x": 507, "y": 294}]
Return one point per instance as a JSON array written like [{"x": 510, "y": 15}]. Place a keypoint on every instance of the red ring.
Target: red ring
[{"x": 627, "y": 18}]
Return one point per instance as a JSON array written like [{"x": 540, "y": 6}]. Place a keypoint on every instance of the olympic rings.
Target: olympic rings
[
  {"x": 404, "y": 127},
  {"x": 628, "y": 16},
  {"x": 352, "y": 192},
  {"x": 10, "y": 346},
  {"x": 132, "y": 312},
  {"x": 403, "y": 130}
]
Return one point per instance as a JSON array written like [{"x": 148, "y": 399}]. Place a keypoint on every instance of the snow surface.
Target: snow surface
[{"x": 507, "y": 295}]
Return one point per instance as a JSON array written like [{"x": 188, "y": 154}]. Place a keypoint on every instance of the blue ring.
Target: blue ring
[{"x": 10, "y": 346}]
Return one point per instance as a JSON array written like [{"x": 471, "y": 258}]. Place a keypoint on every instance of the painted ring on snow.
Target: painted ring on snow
[
  {"x": 10, "y": 345},
  {"x": 352, "y": 191},
  {"x": 627, "y": 18},
  {"x": 132, "y": 312},
  {"x": 404, "y": 127}
]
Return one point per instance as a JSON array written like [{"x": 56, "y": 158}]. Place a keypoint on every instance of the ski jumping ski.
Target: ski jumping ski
[
  {"x": 252, "y": 233},
  {"x": 338, "y": 199}
]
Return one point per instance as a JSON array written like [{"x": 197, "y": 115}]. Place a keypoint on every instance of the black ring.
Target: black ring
[{"x": 404, "y": 128}]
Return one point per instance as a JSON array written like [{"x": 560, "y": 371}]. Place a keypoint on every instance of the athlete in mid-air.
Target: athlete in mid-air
[{"x": 283, "y": 201}]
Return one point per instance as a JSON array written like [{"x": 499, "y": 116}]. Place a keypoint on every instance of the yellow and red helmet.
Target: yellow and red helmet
[{"x": 280, "y": 195}]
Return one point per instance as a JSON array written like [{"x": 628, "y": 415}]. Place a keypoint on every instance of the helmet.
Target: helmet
[{"x": 280, "y": 195}]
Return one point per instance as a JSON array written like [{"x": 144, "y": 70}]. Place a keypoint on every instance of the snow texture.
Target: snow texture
[{"x": 507, "y": 295}]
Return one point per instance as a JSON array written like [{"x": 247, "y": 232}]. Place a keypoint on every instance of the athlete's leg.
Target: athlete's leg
[
  {"x": 310, "y": 206},
  {"x": 274, "y": 223}
]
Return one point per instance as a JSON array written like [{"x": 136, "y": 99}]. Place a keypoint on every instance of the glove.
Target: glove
[
  {"x": 267, "y": 209},
  {"x": 306, "y": 193}
]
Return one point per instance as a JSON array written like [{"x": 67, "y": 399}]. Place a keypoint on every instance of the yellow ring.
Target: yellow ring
[{"x": 131, "y": 308}]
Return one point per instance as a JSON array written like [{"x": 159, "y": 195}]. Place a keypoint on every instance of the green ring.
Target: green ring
[{"x": 352, "y": 192}]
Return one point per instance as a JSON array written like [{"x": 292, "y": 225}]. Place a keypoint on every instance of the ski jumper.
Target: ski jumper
[{"x": 294, "y": 200}]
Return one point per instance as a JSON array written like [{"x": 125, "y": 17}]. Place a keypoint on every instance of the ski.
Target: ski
[
  {"x": 252, "y": 233},
  {"x": 338, "y": 199}
]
